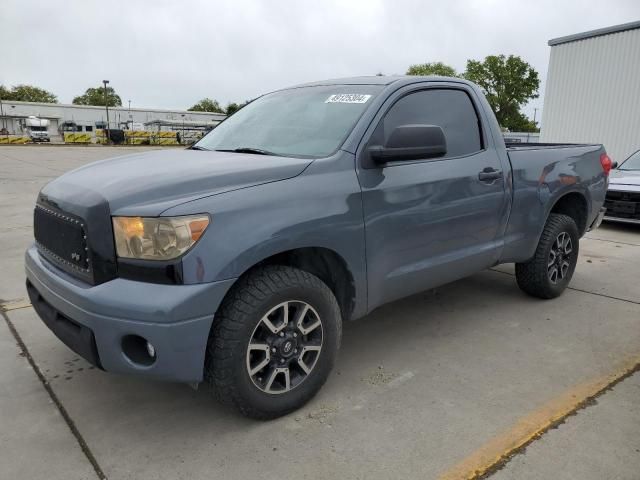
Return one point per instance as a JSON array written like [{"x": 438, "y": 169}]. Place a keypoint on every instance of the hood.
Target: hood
[
  {"x": 148, "y": 183},
  {"x": 621, "y": 179}
]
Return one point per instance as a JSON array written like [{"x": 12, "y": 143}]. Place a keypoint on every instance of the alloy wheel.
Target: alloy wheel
[
  {"x": 284, "y": 347},
  {"x": 559, "y": 258}
]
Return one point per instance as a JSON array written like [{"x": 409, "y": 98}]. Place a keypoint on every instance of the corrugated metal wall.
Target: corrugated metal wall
[{"x": 593, "y": 93}]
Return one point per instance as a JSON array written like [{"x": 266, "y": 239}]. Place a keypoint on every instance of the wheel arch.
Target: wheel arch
[
  {"x": 326, "y": 264},
  {"x": 575, "y": 205}
]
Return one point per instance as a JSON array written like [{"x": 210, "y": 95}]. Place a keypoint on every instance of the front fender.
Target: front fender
[{"x": 319, "y": 208}]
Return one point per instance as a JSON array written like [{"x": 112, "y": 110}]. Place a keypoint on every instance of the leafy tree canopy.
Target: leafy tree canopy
[
  {"x": 27, "y": 93},
  {"x": 96, "y": 96},
  {"x": 518, "y": 122},
  {"x": 508, "y": 83},
  {"x": 433, "y": 68},
  {"x": 207, "y": 105},
  {"x": 234, "y": 107}
]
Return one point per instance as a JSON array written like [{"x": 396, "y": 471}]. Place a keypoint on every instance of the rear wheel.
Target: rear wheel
[
  {"x": 274, "y": 342},
  {"x": 550, "y": 270}
]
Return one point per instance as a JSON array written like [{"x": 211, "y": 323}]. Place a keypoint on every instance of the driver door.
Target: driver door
[{"x": 433, "y": 220}]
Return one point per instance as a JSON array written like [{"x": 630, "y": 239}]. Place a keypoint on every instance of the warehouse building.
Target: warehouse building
[
  {"x": 593, "y": 90},
  {"x": 88, "y": 119}
]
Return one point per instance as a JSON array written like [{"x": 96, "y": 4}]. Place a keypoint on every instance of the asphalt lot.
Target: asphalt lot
[{"x": 428, "y": 387}]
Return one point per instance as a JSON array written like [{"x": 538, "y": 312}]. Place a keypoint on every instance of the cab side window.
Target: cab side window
[{"x": 450, "y": 109}]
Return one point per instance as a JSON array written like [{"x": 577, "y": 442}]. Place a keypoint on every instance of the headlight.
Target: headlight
[{"x": 157, "y": 238}]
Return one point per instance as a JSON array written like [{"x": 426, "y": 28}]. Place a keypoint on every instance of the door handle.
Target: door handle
[{"x": 489, "y": 174}]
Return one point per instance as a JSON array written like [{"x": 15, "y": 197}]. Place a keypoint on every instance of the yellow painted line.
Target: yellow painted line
[
  {"x": 14, "y": 305},
  {"x": 499, "y": 450}
]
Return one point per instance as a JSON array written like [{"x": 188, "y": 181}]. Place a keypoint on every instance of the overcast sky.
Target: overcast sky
[{"x": 173, "y": 53}]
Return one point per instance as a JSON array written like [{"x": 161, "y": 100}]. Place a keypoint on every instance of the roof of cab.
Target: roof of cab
[{"x": 381, "y": 80}]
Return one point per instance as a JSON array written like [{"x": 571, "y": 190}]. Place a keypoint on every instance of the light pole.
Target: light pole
[
  {"x": 106, "y": 106},
  {"x": 130, "y": 122},
  {"x": 182, "y": 127}
]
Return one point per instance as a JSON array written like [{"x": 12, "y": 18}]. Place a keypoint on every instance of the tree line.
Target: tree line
[
  {"x": 508, "y": 83},
  {"x": 96, "y": 97}
]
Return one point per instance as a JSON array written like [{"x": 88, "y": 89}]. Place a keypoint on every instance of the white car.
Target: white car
[{"x": 623, "y": 197}]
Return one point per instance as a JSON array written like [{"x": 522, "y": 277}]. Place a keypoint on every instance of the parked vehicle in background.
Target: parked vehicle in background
[
  {"x": 623, "y": 195},
  {"x": 235, "y": 262},
  {"x": 37, "y": 129}
]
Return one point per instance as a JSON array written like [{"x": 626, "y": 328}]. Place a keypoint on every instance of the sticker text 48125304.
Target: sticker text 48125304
[{"x": 348, "y": 98}]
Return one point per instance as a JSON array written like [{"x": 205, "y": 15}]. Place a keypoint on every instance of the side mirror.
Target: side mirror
[{"x": 411, "y": 142}]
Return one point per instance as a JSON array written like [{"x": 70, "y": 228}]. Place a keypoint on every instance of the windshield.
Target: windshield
[
  {"x": 631, "y": 163},
  {"x": 305, "y": 122}
]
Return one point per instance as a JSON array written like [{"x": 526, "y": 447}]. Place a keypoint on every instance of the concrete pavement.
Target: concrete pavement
[
  {"x": 420, "y": 385},
  {"x": 35, "y": 441},
  {"x": 602, "y": 441}
]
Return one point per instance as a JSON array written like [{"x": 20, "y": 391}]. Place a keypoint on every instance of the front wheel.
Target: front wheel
[
  {"x": 274, "y": 342},
  {"x": 550, "y": 270}
]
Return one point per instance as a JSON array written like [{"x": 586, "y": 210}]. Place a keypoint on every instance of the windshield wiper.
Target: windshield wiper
[
  {"x": 197, "y": 147},
  {"x": 255, "y": 151}
]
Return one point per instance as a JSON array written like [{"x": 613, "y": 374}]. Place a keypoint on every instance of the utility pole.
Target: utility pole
[
  {"x": 535, "y": 111},
  {"x": 106, "y": 106},
  {"x": 182, "y": 127}
]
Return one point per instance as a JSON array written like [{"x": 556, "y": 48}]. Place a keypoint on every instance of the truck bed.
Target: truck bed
[{"x": 542, "y": 173}]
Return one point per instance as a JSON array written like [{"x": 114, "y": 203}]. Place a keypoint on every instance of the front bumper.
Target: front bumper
[{"x": 94, "y": 321}]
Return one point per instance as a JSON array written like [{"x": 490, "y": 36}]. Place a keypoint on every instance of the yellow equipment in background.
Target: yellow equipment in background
[
  {"x": 141, "y": 137},
  {"x": 14, "y": 139},
  {"x": 73, "y": 137}
]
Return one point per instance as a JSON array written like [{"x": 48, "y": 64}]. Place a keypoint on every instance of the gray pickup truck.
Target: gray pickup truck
[{"x": 235, "y": 262}]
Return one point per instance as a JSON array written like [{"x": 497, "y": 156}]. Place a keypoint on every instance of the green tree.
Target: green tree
[
  {"x": 96, "y": 97},
  {"x": 27, "y": 93},
  {"x": 433, "y": 68},
  {"x": 207, "y": 105},
  {"x": 508, "y": 83},
  {"x": 519, "y": 122},
  {"x": 234, "y": 107}
]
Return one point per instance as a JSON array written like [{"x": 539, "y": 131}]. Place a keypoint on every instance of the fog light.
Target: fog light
[
  {"x": 151, "y": 350},
  {"x": 139, "y": 350}
]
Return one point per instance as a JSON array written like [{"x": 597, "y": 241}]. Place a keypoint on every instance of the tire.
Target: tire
[
  {"x": 536, "y": 276},
  {"x": 252, "y": 317}
]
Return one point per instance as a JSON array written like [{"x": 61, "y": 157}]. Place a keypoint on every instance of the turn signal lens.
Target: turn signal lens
[
  {"x": 157, "y": 238},
  {"x": 197, "y": 228}
]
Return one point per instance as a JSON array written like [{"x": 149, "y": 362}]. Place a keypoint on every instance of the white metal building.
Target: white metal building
[
  {"x": 89, "y": 118},
  {"x": 593, "y": 90}
]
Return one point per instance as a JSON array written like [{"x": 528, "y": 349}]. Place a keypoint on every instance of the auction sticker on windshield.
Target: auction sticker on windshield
[{"x": 348, "y": 98}]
